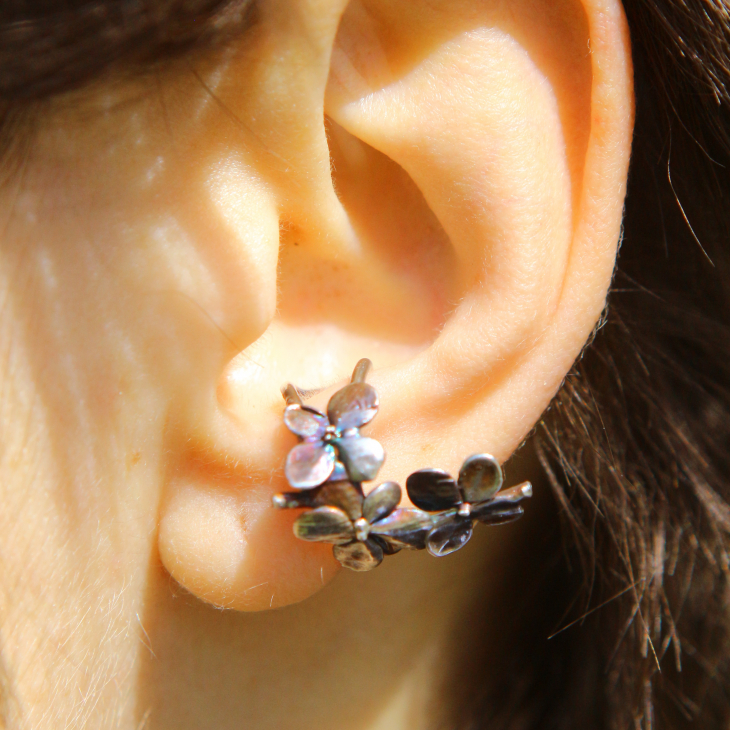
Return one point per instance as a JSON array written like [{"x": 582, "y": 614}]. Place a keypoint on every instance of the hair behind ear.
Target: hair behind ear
[{"x": 635, "y": 443}]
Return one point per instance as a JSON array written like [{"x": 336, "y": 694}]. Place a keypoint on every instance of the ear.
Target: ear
[{"x": 455, "y": 217}]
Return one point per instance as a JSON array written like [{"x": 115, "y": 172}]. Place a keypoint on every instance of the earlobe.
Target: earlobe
[
  {"x": 494, "y": 142},
  {"x": 236, "y": 553}
]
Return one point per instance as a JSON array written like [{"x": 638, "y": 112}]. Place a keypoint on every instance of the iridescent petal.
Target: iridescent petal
[
  {"x": 381, "y": 501},
  {"x": 405, "y": 527},
  {"x": 450, "y": 536},
  {"x": 309, "y": 464},
  {"x": 480, "y": 478},
  {"x": 339, "y": 474},
  {"x": 361, "y": 456},
  {"x": 324, "y": 524},
  {"x": 353, "y": 406},
  {"x": 305, "y": 422},
  {"x": 360, "y": 556},
  {"x": 432, "y": 490}
]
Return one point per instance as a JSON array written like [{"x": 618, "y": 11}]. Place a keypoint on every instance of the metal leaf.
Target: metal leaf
[
  {"x": 450, "y": 536},
  {"x": 353, "y": 406},
  {"x": 491, "y": 514},
  {"x": 361, "y": 456},
  {"x": 432, "y": 490},
  {"x": 324, "y": 524},
  {"x": 405, "y": 527},
  {"x": 305, "y": 422},
  {"x": 381, "y": 501},
  {"x": 309, "y": 464},
  {"x": 514, "y": 495},
  {"x": 359, "y": 556},
  {"x": 480, "y": 478},
  {"x": 345, "y": 495},
  {"x": 502, "y": 503}
]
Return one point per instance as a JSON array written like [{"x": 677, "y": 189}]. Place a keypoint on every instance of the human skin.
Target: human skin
[{"x": 438, "y": 187}]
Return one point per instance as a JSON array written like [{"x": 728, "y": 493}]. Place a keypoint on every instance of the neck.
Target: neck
[{"x": 369, "y": 652}]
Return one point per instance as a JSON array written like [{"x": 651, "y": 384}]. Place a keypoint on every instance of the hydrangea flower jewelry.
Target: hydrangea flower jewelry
[{"x": 333, "y": 459}]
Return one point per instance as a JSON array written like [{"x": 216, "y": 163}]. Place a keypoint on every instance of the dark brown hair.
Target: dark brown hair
[
  {"x": 48, "y": 47},
  {"x": 637, "y": 442}
]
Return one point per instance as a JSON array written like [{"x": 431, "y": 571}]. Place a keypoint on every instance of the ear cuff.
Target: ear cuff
[{"x": 333, "y": 459}]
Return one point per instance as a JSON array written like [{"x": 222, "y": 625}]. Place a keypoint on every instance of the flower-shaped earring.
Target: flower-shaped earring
[
  {"x": 379, "y": 528},
  {"x": 455, "y": 504},
  {"x": 331, "y": 446},
  {"x": 332, "y": 460}
]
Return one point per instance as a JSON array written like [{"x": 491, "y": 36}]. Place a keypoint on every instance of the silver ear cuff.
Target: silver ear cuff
[{"x": 333, "y": 459}]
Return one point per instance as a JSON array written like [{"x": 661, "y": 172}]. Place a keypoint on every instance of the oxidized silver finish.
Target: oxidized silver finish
[
  {"x": 331, "y": 446},
  {"x": 331, "y": 462}
]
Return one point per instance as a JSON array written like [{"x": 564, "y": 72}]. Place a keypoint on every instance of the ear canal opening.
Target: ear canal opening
[
  {"x": 387, "y": 298},
  {"x": 395, "y": 226}
]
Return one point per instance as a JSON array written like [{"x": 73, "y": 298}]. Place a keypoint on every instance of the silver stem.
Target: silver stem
[
  {"x": 361, "y": 371},
  {"x": 291, "y": 395}
]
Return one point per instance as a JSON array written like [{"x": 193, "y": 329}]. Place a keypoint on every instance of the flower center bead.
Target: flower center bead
[
  {"x": 362, "y": 529},
  {"x": 330, "y": 434},
  {"x": 464, "y": 509}
]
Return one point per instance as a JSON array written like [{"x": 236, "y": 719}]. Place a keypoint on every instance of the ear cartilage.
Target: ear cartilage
[{"x": 327, "y": 469}]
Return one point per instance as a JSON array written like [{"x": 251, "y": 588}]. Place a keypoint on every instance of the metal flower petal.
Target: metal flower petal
[
  {"x": 381, "y": 501},
  {"x": 433, "y": 490},
  {"x": 305, "y": 422},
  {"x": 353, "y": 406},
  {"x": 361, "y": 456},
  {"x": 480, "y": 478},
  {"x": 339, "y": 473},
  {"x": 359, "y": 556},
  {"x": 309, "y": 464},
  {"x": 404, "y": 527},
  {"x": 448, "y": 537},
  {"x": 324, "y": 524}
]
